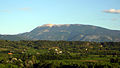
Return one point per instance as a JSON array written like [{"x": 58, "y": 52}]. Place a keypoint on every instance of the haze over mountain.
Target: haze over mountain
[{"x": 67, "y": 32}]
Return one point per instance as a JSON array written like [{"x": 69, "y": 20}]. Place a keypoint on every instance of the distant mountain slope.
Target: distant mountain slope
[
  {"x": 72, "y": 32},
  {"x": 11, "y": 37}
]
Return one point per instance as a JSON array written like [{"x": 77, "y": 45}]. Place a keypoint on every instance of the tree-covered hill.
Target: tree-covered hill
[{"x": 12, "y": 37}]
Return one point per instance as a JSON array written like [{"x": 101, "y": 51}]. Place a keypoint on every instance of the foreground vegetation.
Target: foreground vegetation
[{"x": 59, "y": 54}]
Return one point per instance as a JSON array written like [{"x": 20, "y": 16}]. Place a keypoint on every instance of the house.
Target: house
[{"x": 10, "y": 53}]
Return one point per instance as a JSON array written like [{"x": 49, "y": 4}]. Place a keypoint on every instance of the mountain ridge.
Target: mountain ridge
[{"x": 71, "y": 32}]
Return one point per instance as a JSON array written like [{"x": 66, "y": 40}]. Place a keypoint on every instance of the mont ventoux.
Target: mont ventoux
[{"x": 67, "y": 32}]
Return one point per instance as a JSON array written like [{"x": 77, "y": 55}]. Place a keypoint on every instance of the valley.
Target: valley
[{"x": 59, "y": 54}]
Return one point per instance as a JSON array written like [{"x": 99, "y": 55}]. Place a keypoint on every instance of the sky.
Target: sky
[{"x": 19, "y": 16}]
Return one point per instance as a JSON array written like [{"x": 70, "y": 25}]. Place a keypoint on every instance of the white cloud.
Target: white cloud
[
  {"x": 112, "y": 11},
  {"x": 114, "y": 19},
  {"x": 25, "y": 9},
  {"x": 5, "y": 11}
]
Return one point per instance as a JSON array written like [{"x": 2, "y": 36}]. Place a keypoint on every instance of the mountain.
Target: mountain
[
  {"x": 72, "y": 32},
  {"x": 67, "y": 32},
  {"x": 12, "y": 37}
]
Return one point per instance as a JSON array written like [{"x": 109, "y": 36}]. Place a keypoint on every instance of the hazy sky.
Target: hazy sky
[{"x": 18, "y": 16}]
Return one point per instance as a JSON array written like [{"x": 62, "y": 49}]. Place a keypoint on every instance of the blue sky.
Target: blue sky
[{"x": 18, "y": 16}]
